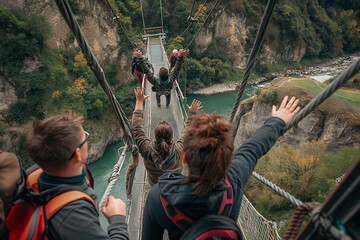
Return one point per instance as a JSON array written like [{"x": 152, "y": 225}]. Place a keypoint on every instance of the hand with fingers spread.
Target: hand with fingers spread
[
  {"x": 138, "y": 54},
  {"x": 183, "y": 52},
  {"x": 195, "y": 106},
  {"x": 140, "y": 98},
  {"x": 114, "y": 206},
  {"x": 287, "y": 110}
]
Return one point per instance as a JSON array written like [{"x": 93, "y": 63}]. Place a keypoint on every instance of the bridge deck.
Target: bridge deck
[{"x": 152, "y": 115}]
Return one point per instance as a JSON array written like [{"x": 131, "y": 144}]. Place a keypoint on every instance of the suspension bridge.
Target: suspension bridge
[{"x": 254, "y": 225}]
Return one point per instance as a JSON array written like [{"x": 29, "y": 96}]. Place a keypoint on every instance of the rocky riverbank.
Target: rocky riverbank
[{"x": 331, "y": 67}]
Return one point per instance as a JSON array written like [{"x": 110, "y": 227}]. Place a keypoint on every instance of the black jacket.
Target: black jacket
[
  {"x": 135, "y": 65},
  {"x": 162, "y": 88},
  {"x": 174, "y": 190}
]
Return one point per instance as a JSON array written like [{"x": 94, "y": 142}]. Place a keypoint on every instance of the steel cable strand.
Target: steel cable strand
[
  {"x": 296, "y": 202},
  {"x": 330, "y": 89},
  {"x": 114, "y": 175},
  {"x": 187, "y": 40},
  {"x": 96, "y": 68},
  {"x": 187, "y": 45},
  {"x": 188, "y": 25},
  {"x": 252, "y": 58},
  {"x": 142, "y": 14},
  {"x": 117, "y": 18}
]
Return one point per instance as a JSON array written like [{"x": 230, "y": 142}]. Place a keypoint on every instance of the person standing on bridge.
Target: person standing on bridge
[
  {"x": 164, "y": 83},
  {"x": 162, "y": 155},
  {"x": 216, "y": 177}
]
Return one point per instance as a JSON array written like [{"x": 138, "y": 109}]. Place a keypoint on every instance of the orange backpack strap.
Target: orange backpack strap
[
  {"x": 32, "y": 180},
  {"x": 58, "y": 202}
]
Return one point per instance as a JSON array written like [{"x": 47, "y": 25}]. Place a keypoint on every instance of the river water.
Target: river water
[{"x": 221, "y": 103}]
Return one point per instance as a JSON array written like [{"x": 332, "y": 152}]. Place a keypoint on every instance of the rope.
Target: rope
[
  {"x": 115, "y": 173},
  {"x": 330, "y": 89},
  {"x": 278, "y": 190},
  {"x": 97, "y": 70},
  {"x": 142, "y": 14},
  {"x": 298, "y": 218},
  {"x": 187, "y": 45},
  {"x": 251, "y": 61},
  {"x": 130, "y": 174},
  {"x": 118, "y": 20}
]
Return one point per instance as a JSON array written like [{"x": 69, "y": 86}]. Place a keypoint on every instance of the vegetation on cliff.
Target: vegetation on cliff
[{"x": 53, "y": 80}]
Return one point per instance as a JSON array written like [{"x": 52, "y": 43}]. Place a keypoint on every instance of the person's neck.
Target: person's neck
[{"x": 70, "y": 171}]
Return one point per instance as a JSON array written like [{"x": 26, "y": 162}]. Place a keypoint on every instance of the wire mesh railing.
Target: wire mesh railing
[{"x": 254, "y": 225}]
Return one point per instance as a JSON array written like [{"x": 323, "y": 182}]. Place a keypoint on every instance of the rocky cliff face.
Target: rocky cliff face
[
  {"x": 332, "y": 122},
  {"x": 7, "y": 96},
  {"x": 110, "y": 133},
  {"x": 95, "y": 22},
  {"x": 231, "y": 30}
]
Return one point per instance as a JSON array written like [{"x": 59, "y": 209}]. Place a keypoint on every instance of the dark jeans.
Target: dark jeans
[{"x": 168, "y": 97}]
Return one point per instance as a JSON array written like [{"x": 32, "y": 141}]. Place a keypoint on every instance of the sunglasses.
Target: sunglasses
[{"x": 82, "y": 143}]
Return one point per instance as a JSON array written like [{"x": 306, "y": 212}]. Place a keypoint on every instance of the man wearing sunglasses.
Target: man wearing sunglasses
[{"x": 58, "y": 145}]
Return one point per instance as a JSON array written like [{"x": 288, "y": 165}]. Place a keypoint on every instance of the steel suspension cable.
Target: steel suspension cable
[
  {"x": 187, "y": 45},
  {"x": 189, "y": 24},
  {"x": 161, "y": 16},
  {"x": 117, "y": 18},
  {"x": 187, "y": 39},
  {"x": 94, "y": 65},
  {"x": 330, "y": 89},
  {"x": 142, "y": 14},
  {"x": 251, "y": 60}
]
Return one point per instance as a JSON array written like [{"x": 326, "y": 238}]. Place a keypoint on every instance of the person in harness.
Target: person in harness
[
  {"x": 162, "y": 155},
  {"x": 216, "y": 176},
  {"x": 58, "y": 146},
  {"x": 164, "y": 83},
  {"x": 135, "y": 66},
  {"x": 173, "y": 57}
]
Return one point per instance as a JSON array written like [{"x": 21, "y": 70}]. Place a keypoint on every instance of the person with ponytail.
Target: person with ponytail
[
  {"x": 162, "y": 155},
  {"x": 216, "y": 175}
]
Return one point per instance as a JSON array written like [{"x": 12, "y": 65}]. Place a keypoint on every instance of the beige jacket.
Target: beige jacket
[{"x": 9, "y": 182}]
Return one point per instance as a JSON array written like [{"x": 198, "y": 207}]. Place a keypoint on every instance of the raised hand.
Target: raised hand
[
  {"x": 140, "y": 96},
  {"x": 195, "y": 106},
  {"x": 138, "y": 54},
  {"x": 183, "y": 52},
  {"x": 287, "y": 110}
]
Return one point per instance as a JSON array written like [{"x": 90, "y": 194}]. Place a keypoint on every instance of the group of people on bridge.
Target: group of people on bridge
[
  {"x": 163, "y": 83},
  {"x": 190, "y": 177}
]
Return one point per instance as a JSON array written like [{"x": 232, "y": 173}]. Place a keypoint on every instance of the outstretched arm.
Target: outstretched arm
[
  {"x": 141, "y": 139},
  {"x": 145, "y": 68},
  {"x": 245, "y": 158}
]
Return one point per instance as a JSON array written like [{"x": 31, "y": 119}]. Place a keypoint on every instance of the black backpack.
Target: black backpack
[
  {"x": 210, "y": 226},
  {"x": 213, "y": 227}
]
